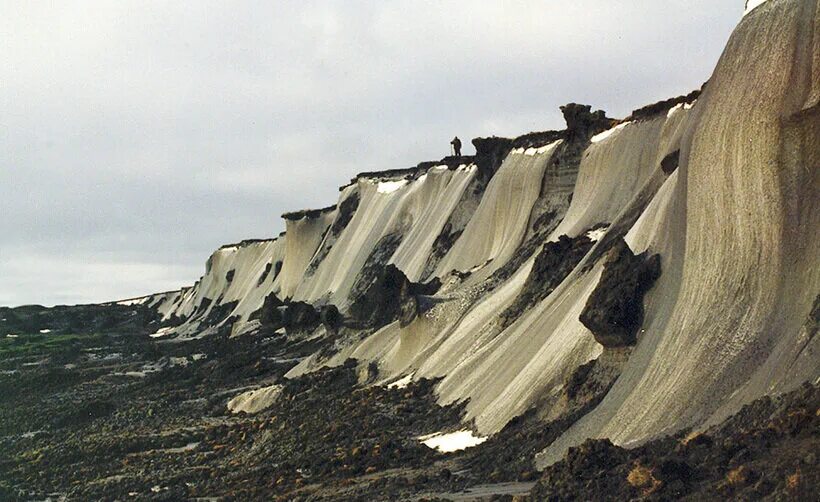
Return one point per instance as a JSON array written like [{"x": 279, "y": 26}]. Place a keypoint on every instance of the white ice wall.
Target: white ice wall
[
  {"x": 416, "y": 209},
  {"x": 616, "y": 166},
  {"x": 499, "y": 224},
  {"x": 724, "y": 323},
  {"x": 302, "y": 239}
]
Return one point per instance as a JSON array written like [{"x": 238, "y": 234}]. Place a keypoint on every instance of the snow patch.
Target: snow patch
[
  {"x": 609, "y": 132},
  {"x": 390, "y": 186},
  {"x": 674, "y": 109},
  {"x": 401, "y": 383},
  {"x": 12, "y": 335},
  {"x": 256, "y": 400},
  {"x": 453, "y": 441},
  {"x": 752, "y": 4},
  {"x": 44, "y": 331},
  {"x": 596, "y": 234},
  {"x": 533, "y": 151}
]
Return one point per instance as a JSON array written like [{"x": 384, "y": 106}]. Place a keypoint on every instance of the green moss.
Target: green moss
[{"x": 36, "y": 343}]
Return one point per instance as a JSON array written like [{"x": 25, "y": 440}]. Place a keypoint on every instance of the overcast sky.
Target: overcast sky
[{"x": 137, "y": 137}]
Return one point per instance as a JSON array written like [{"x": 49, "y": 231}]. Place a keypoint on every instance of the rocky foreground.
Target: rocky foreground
[{"x": 112, "y": 414}]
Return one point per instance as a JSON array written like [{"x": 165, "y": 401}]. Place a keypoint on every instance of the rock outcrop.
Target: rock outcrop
[
  {"x": 391, "y": 297},
  {"x": 583, "y": 123},
  {"x": 614, "y": 311}
]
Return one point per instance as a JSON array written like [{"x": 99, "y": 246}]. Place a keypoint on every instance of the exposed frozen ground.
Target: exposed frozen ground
[{"x": 724, "y": 186}]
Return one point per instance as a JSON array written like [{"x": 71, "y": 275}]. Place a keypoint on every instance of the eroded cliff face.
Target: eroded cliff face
[{"x": 720, "y": 186}]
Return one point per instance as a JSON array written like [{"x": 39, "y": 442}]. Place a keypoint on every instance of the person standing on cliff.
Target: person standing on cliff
[{"x": 456, "y": 146}]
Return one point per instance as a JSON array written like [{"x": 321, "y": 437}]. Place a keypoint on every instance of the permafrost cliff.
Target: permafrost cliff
[
  {"x": 615, "y": 305},
  {"x": 721, "y": 184}
]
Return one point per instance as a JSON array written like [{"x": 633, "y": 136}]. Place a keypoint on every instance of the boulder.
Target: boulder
[
  {"x": 614, "y": 311},
  {"x": 300, "y": 316},
  {"x": 331, "y": 318},
  {"x": 670, "y": 162},
  {"x": 392, "y": 296}
]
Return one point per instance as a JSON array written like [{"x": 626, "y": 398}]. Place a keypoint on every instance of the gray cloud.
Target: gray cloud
[{"x": 136, "y": 137}]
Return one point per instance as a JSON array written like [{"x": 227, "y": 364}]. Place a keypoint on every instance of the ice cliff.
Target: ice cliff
[{"x": 501, "y": 253}]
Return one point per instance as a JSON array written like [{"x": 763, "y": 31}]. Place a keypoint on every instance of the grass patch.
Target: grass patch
[{"x": 39, "y": 343}]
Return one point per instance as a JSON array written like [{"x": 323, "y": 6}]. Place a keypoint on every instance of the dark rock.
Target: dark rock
[
  {"x": 583, "y": 123},
  {"x": 347, "y": 209},
  {"x": 538, "y": 139},
  {"x": 552, "y": 265},
  {"x": 86, "y": 413},
  {"x": 451, "y": 161},
  {"x": 673, "y": 469},
  {"x": 374, "y": 266},
  {"x": 598, "y": 454},
  {"x": 392, "y": 296},
  {"x": 578, "y": 378},
  {"x": 300, "y": 317},
  {"x": 441, "y": 246},
  {"x": 230, "y": 275},
  {"x": 670, "y": 162},
  {"x": 489, "y": 153},
  {"x": 264, "y": 274},
  {"x": 614, "y": 311},
  {"x": 270, "y": 315},
  {"x": 331, "y": 318},
  {"x": 218, "y": 314}
]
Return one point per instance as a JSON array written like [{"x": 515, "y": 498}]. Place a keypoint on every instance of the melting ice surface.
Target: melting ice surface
[{"x": 453, "y": 441}]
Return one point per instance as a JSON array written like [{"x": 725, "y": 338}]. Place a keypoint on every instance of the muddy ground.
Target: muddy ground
[{"x": 108, "y": 413}]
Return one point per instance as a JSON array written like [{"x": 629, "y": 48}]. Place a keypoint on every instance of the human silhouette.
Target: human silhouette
[{"x": 456, "y": 146}]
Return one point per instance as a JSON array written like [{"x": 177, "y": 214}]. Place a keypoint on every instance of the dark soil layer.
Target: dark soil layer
[
  {"x": 112, "y": 416},
  {"x": 116, "y": 415},
  {"x": 768, "y": 451}
]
